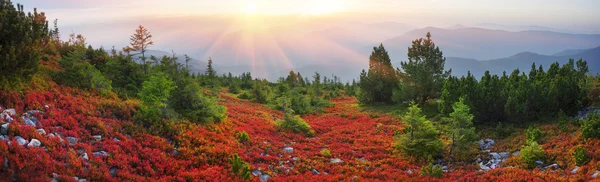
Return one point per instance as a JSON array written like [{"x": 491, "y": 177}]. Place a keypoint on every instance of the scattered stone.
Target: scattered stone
[
  {"x": 336, "y": 160},
  {"x": 34, "y": 143},
  {"x": 478, "y": 160},
  {"x": 41, "y": 131},
  {"x": 295, "y": 158},
  {"x": 409, "y": 171},
  {"x": 552, "y": 166},
  {"x": 97, "y": 137},
  {"x": 495, "y": 155},
  {"x": 84, "y": 156},
  {"x": 101, "y": 153},
  {"x": 76, "y": 178},
  {"x": 54, "y": 180},
  {"x": 116, "y": 140},
  {"x": 595, "y": 175},
  {"x": 288, "y": 149},
  {"x": 8, "y": 112},
  {"x": 539, "y": 163},
  {"x": 575, "y": 169},
  {"x": 4, "y": 129},
  {"x": 504, "y": 155},
  {"x": 486, "y": 144},
  {"x": 264, "y": 177},
  {"x": 257, "y": 172},
  {"x": 82, "y": 180},
  {"x": 21, "y": 140},
  {"x": 29, "y": 122},
  {"x": 484, "y": 167},
  {"x": 516, "y": 153},
  {"x": 314, "y": 171},
  {"x": 72, "y": 140},
  {"x": 51, "y": 135},
  {"x": 112, "y": 171}
]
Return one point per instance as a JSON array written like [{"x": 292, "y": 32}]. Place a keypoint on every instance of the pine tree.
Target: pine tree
[
  {"x": 140, "y": 41},
  {"x": 377, "y": 84},
  {"x": 463, "y": 134},
  {"x": 424, "y": 71},
  {"x": 21, "y": 38},
  {"x": 420, "y": 137}
]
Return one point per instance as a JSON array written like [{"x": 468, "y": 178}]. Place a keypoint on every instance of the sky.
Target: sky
[{"x": 577, "y": 15}]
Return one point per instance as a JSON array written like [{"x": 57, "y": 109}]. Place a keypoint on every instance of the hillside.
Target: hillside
[{"x": 81, "y": 135}]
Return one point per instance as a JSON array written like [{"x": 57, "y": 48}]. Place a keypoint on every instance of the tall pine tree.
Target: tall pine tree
[{"x": 377, "y": 84}]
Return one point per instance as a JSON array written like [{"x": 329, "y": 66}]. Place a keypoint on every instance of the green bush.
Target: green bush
[
  {"x": 590, "y": 127},
  {"x": 295, "y": 124},
  {"x": 78, "y": 72},
  {"x": 245, "y": 95},
  {"x": 326, "y": 153},
  {"x": 530, "y": 153},
  {"x": 261, "y": 91},
  {"x": 432, "y": 171},
  {"x": 239, "y": 167},
  {"x": 243, "y": 137},
  {"x": 234, "y": 88},
  {"x": 533, "y": 134},
  {"x": 581, "y": 157},
  {"x": 189, "y": 101},
  {"x": 503, "y": 130}
]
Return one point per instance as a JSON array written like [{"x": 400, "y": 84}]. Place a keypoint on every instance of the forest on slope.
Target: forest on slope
[{"x": 71, "y": 112}]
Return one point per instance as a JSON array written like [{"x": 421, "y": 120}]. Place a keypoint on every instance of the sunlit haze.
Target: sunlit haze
[{"x": 297, "y": 34}]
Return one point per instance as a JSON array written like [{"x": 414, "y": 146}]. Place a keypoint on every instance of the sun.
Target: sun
[{"x": 249, "y": 8}]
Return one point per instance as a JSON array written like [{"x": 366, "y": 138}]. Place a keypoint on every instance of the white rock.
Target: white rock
[
  {"x": 495, "y": 155},
  {"x": 101, "y": 153},
  {"x": 29, "y": 122},
  {"x": 264, "y": 177},
  {"x": 288, "y": 149},
  {"x": 336, "y": 160},
  {"x": 595, "y": 175},
  {"x": 41, "y": 131},
  {"x": 72, "y": 140},
  {"x": 575, "y": 169},
  {"x": 4, "y": 129},
  {"x": 315, "y": 172},
  {"x": 257, "y": 172},
  {"x": 21, "y": 140},
  {"x": 84, "y": 156},
  {"x": 552, "y": 166},
  {"x": 484, "y": 167},
  {"x": 34, "y": 143},
  {"x": 97, "y": 137}
]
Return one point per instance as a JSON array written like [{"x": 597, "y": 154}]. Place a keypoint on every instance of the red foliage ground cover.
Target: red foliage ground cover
[{"x": 200, "y": 152}]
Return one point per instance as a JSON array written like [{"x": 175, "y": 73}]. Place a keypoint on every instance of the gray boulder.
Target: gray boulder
[
  {"x": 34, "y": 143},
  {"x": 97, "y": 137},
  {"x": 112, "y": 171},
  {"x": 575, "y": 169},
  {"x": 264, "y": 177},
  {"x": 3, "y": 137},
  {"x": 288, "y": 149},
  {"x": 29, "y": 122},
  {"x": 4, "y": 129},
  {"x": 101, "y": 153},
  {"x": 504, "y": 155},
  {"x": 256, "y": 172},
  {"x": 84, "y": 156},
  {"x": 72, "y": 140},
  {"x": 314, "y": 171},
  {"x": 539, "y": 163},
  {"x": 41, "y": 131},
  {"x": 21, "y": 140},
  {"x": 336, "y": 160},
  {"x": 552, "y": 166},
  {"x": 495, "y": 155},
  {"x": 516, "y": 153}
]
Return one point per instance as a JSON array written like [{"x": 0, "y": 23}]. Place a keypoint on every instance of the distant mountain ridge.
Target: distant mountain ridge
[{"x": 522, "y": 61}]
